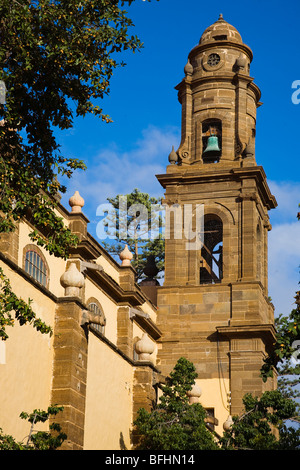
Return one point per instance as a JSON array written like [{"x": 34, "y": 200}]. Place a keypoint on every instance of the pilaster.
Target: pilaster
[{"x": 70, "y": 371}]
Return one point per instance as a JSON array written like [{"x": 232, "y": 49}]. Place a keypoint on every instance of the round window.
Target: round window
[{"x": 213, "y": 60}]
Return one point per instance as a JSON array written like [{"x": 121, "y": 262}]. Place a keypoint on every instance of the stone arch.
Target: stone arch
[
  {"x": 195, "y": 258},
  {"x": 219, "y": 115},
  {"x": 211, "y": 257}
]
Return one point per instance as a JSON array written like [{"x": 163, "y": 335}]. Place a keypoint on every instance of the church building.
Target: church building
[{"x": 116, "y": 340}]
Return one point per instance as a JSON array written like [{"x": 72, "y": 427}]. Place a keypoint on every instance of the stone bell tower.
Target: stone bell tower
[{"x": 213, "y": 306}]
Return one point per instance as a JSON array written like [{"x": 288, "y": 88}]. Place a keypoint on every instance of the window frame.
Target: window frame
[{"x": 36, "y": 272}]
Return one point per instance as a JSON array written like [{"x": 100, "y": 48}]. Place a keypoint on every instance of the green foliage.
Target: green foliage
[
  {"x": 56, "y": 60},
  {"x": 22, "y": 311},
  {"x": 39, "y": 440},
  {"x": 262, "y": 426},
  {"x": 287, "y": 337},
  {"x": 139, "y": 225},
  {"x": 174, "y": 424}
]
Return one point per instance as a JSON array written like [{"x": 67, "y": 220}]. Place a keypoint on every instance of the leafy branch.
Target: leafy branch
[{"x": 38, "y": 440}]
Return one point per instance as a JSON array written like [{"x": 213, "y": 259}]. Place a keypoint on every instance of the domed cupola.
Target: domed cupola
[
  {"x": 221, "y": 31},
  {"x": 220, "y": 48}
]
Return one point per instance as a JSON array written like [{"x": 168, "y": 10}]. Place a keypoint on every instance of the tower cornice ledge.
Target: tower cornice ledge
[
  {"x": 267, "y": 331},
  {"x": 188, "y": 176}
]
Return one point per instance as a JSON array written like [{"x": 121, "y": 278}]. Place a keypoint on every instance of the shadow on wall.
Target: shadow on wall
[{"x": 122, "y": 442}]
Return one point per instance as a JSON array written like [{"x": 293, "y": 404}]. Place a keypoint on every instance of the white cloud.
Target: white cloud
[
  {"x": 113, "y": 171},
  {"x": 284, "y": 246},
  {"x": 287, "y": 194}
]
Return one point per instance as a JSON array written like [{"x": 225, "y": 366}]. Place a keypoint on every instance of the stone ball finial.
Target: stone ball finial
[
  {"x": 241, "y": 62},
  {"x": 76, "y": 202},
  {"x": 173, "y": 157},
  {"x": 188, "y": 69},
  {"x": 249, "y": 150},
  {"x": 144, "y": 348},
  {"x": 194, "y": 394},
  {"x": 72, "y": 280},
  {"x": 126, "y": 256},
  {"x": 228, "y": 423}
]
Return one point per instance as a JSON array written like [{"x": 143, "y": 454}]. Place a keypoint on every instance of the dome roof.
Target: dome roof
[{"x": 221, "y": 30}]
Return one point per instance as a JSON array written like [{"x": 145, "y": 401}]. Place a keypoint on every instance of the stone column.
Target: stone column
[
  {"x": 125, "y": 331},
  {"x": 144, "y": 394}
]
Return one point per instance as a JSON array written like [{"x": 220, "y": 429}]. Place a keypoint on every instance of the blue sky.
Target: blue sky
[{"x": 147, "y": 115}]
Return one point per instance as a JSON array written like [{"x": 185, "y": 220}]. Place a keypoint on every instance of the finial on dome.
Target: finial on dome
[
  {"x": 221, "y": 18},
  {"x": 76, "y": 202}
]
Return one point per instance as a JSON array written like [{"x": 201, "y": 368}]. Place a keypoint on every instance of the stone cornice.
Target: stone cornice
[
  {"x": 190, "y": 176},
  {"x": 144, "y": 320},
  {"x": 112, "y": 288},
  {"x": 121, "y": 353},
  {"x": 266, "y": 331}
]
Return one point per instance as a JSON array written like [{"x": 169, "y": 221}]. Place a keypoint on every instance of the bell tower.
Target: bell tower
[{"x": 214, "y": 307}]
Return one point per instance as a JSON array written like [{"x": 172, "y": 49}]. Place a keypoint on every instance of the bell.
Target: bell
[{"x": 212, "y": 146}]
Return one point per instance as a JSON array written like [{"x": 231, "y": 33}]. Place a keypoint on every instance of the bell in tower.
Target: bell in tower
[
  {"x": 212, "y": 150},
  {"x": 213, "y": 308}
]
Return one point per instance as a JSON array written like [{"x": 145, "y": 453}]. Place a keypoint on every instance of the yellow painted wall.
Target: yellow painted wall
[
  {"x": 214, "y": 395},
  {"x": 109, "y": 268},
  {"x": 108, "y": 399},
  {"x": 25, "y": 363}
]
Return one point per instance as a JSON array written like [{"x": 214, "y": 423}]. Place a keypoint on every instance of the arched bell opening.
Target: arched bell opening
[
  {"x": 211, "y": 261},
  {"x": 211, "y": 140}
]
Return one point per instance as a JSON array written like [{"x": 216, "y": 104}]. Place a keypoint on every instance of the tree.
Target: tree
[
  {"x": 286, "y": 343},
  {"x": 174, "y": 424},
  {"x": 136, "y": 221},
  {"x": 263, "y": 424},
  {"x": 39, "y": 440},
  {"x": 56, "y": 59}
]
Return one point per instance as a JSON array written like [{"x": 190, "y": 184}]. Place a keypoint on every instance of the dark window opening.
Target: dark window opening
[
  {"x": 211, "y": 263},
  {"x": 211, "y": 141},
  {"x": 221, "y": 37}
]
